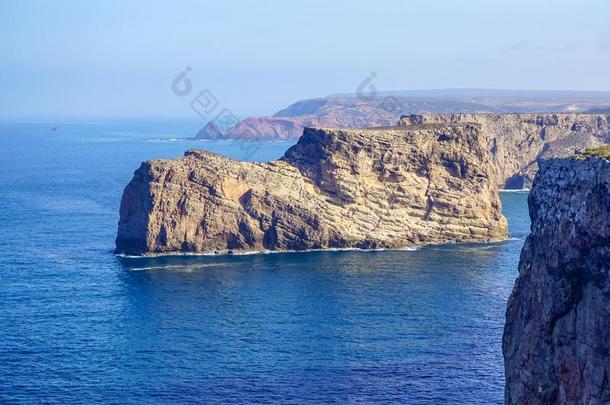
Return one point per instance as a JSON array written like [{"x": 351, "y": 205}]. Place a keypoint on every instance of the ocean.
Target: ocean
[{"x": 79, "y": 324}]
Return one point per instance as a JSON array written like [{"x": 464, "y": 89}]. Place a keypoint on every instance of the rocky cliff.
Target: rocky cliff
[
  {"x": 376, "y": 109},
  {"x": 518, "y": 141},
  {"x": 557, "y": 335},
  {"x": 363, "y": 188},
  {"x": 330, "y": 113},
  {"x": 210, "y": 131}
]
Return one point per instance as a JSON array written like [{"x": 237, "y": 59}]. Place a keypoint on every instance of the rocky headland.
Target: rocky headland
[
  {"x": 385, "y": 108},
  {"x": 322, "y": 113},
  {"x": 519, "y": 141},
  {"x": 211, "y": 131},
  {"x": 359, "y": 188},
  {"x": 557, "y": 335}
]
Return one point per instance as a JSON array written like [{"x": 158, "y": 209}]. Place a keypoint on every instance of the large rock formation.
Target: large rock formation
[
  {"x": 557, "y": 335},
  {"x": 333, "y": 113},
  {"x": 376, "y": 109},
  {"x": 367, "y": 188},
  {"x": 518, "y": 141},
  {"x": 270, "y": 128}
]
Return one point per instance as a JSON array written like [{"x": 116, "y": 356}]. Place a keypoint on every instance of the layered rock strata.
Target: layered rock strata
[
  {"x": 518, "y": 141},
  {"x": 363, "y": 188},
  {"x": 386, "y": 108},
  {"x": 557, "y": 335}
]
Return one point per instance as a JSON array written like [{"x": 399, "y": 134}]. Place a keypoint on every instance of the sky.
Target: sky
[{"x": 118, "y": 59}]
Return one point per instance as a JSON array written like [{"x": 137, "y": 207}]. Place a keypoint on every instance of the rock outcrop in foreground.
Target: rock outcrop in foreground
[
  {"x": 362, "y": 188},
  {"x": 518, "y": 141},
  {"x": 557, "y": 334}
]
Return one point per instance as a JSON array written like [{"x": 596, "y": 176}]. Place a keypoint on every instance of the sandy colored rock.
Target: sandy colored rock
[
  {"x": 369, "y": 110},
  {"x": 365, "y": 188},
  {"x": 518, "y": 141},
  {"x": 557, "y": 335}
]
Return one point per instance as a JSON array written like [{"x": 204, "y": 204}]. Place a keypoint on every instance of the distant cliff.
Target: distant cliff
[
  {"x": 557, "y": 334},
  {"x": 363, "y": 188},
  {"x": 210, "y": 131},
  {"x": 345, "y": 111},
  {"x": 518, "y": 141},
  {"x": 322, "y": 113}
]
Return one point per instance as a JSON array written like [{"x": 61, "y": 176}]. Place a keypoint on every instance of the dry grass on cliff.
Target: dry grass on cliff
[{"x": 599, "y": 152}]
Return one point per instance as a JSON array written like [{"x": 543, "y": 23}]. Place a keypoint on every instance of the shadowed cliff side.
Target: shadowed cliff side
[
  {"x": 364, "y": 188},
  {"x": 557, "y": 335}
]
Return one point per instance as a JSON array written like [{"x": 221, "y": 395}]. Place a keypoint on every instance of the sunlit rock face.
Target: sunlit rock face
[
  {"x": 385, "y": 187},
  {"x": 518, "y": 141}
]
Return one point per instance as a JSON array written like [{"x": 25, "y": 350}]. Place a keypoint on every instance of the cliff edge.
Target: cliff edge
[
  {"x": 518, "y": 141},
  {"x": 363, "y": 188},
  {"x": 557, "y": 336}
]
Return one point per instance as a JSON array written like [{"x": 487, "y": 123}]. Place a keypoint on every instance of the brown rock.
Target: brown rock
[
  {"x": 518, "y": 141},
  {"x": 363, "y": 188},
  {"x": 557, "y": 335}
]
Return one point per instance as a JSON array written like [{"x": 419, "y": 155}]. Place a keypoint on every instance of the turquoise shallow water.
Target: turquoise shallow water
[{"x": 78, "y": 324}]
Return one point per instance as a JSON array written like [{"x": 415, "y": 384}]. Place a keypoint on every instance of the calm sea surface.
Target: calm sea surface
[{"x": 78, "y": 324}]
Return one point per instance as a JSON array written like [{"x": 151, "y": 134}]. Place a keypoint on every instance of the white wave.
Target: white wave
[
  {"x": 512, "y": 190},
  {"x": 183, "y": 267},
  {"x": 166, "y": 140},
  {"x": 265, "y": 252},
  {"x": 151, "y": 255}
]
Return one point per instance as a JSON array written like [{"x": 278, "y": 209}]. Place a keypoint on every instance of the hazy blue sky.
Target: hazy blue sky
[{"x": 118, "y": 58}]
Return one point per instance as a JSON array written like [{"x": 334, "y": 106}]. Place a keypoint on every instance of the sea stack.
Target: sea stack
[
  {"x": 557, "y": 335},
  {"x": 385, "y": 187}
]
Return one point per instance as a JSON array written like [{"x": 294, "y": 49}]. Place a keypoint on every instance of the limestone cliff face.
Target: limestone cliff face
[
  {"x": 518, "y": 141},
  {"x": 557, "y": 335},
  {"x": 363, "y": 188}
]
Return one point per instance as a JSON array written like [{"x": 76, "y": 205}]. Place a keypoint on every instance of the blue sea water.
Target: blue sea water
[{"x": 78, "y": 324}]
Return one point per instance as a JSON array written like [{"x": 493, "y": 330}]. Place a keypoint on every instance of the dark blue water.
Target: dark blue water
[{"x": 78, "y": 324}]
